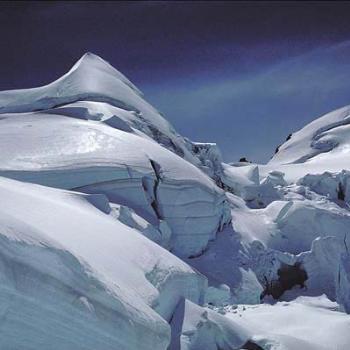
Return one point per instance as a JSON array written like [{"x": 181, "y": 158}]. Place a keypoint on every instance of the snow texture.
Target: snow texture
[{"x": 118, "y": 233}]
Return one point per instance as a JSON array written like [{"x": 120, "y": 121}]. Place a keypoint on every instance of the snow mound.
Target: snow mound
[
  {"x": 105, "y": 138},
  {"x": 322, "y": 265},
  {"x": 328, "y": 134},
  {"x": 298, "y": 223},
  {"x": 244, "y": 181},
  {"x": 196, "y": 328},
  {"x": 159, "y": 234},
  {"x": 92, "y": 281},
  {"x": 92, "y": 79},
  {"x": 93, "y": 157},
  {"x": 323, "y": 145},
  {"x": 335, "y": 186},
  {"x": 305, "y": 323},
  {"x": 89, "y": 79}
]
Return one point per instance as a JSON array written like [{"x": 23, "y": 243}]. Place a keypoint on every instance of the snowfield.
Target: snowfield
[{"x": 117, "y": 233}]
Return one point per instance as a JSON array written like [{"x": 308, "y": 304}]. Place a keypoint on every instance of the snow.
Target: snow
[
  {"x": 118, "y": 233},
  {"x": 94, "y": 80},
  {"x": 57, "y": 242},
  {"x": 95, "y": 157},
  {"x": 93, "y": 117},
  {"x": 305, "y": 323},
  {"x": 196, "y": 328},
  {"x": 343, "y": 282},
  {"x": 323, "y": 145},
  {"x": 322, "y": 264},
  {"x": 210, "y": 158},
  {"x": 332, "y": 185},
  {"x": 319, "y": 136},
  {"x": 244, "y": 180},
  {"x": 159, "y": 234}
]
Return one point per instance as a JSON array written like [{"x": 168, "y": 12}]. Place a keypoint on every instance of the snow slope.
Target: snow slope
[
  {"x": 118, "y": 233},
  {"x": 92, "y": 148},
  {"x": 94, "y": 80},
  {"x": 66, "y": 261},
  {"x": 323, "y": 145},
  {"x": 323, "y": 135},
  {"x": 306, "y": 323},
  {"x": 195, "y": 328}
]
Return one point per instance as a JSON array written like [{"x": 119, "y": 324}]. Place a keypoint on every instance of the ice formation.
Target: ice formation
[{"x": 118, "y": 233}]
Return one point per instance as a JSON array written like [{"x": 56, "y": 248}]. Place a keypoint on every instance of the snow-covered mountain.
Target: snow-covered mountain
[
  {"x": 118, "y": 233},
  {"x": 323, "y": 145}
]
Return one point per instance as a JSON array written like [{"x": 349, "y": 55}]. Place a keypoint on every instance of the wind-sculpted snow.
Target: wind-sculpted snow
[
  {"x": 262, "y": 244},
  {"x": 322, "y": 135},
  {"x": 323, "y": 145},
  {"x": 305, "y": 323},
  {"x": 160, "y": 234},
  {"x": 93, "y": 260},
  {"x": 92, "y": 79},
  {"x": 244, "y": 181},
  {"x": 224, "y": 264},
  {"x": 195, "y": 328},
  {"x": 335, "y": 186},
  {"x": 65, "y": 152},
  {"x": 98, "y": 144},
  {"x": 322, "y": 265},
  {"x": 298, "y": 223},
  {"x": 210, "y": 158},
  {"x": 66, "y": 262}
]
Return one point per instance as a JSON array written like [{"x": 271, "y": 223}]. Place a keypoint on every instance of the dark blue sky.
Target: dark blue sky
[{"x": 242, "y": 74}]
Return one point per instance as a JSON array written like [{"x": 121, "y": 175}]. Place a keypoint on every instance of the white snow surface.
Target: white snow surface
[
  {"x": 92, "y": 79},
  {"x": 118, "y": 233},
  {"x": 60, "y": 243},
  {"x": 305, "y": 323},
  {"x": 323, "y": 145},
  {"x": 196, "y": 328},
  {"x": 103, "y": 137},
  {"x": 68, "y": 152}
]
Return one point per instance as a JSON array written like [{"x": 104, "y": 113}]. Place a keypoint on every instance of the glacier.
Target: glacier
[{"x": 118, "y": 233}]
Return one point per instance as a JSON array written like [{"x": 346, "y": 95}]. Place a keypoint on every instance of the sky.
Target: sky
[{"x": 241, "y": 74}]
